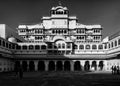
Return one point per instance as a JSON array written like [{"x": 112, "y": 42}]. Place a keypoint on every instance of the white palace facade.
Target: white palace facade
[{"x": 58, "y": 43}]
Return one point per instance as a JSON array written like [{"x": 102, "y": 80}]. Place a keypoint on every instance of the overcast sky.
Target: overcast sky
[{"x": 104, "y": 12}]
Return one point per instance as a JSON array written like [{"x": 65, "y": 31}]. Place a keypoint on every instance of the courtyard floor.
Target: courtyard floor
[{"x": 60, "y": 79}]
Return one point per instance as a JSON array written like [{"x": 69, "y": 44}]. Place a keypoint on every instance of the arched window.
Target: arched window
[
  {"x": 81, "y": 47},
  {"x": 61, "y": 12},
  {"x": 43, "y": 47},
  {"x": 100, "y": 47},
  {"x": 50, "y": 45},
  {"x": 63, "y": 45},
  {"x": 115, "y": 43},
  {"x": 65, "y": 12},
  {"x": 37, "y": 47},
  {"x": 52, "y": 12},
  {"x": 119, "y": 42},
  {"x": 31, "y": 47},
  {"x": 87, "y": 46},
  {"x": 13, "y": 46},
  {"x": 3, "y": 43},
  {"x": 18, "y": 47},
  {"x": 59, "y": 45},
  {"x": 111, "y": 44},
  {"x": 6, "y": 45},
  {"x": 65, "y": 31},
  {"x": 94, "y": 47},
  {"x": 10, "y": 45},
  {"x": 68, "y": 45},
  {"x": 55, "y": 47},
  {"x": 53, "y": 31},
  {"x": 77, "y": 37},
  {"x": 57, "y": 12},
  {"x": 59, "y": 31},
  {"x": 75, "y": 47},
  {"x": 77, "y": 30},
  {"x": 24, "y": 47},
  {"x": 105, "y": 46}
]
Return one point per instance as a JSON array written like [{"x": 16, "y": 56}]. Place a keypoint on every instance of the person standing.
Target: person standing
[
  {"x": 118, "y": 69},
  {"x": 112, "y": 68},
  {"x": 115, "y": 69}
]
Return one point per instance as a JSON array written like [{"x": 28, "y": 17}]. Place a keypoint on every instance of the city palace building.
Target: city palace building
[{"x": 58, "y": 43}]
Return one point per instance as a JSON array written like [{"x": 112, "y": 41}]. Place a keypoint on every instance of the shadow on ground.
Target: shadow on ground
[{"x": 60, "y": 79}]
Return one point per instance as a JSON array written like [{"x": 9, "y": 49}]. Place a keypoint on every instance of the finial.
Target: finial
[{"x": 59, "y": 3}]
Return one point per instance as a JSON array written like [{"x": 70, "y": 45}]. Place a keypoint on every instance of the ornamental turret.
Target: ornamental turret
[{"x": 59, "y": 11}]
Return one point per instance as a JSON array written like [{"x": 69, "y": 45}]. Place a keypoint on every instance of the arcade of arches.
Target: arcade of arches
[{"x": 59, "y": 65}]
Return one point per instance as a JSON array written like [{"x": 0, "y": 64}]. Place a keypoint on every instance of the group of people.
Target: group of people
[{"x": 115, "y": 69}]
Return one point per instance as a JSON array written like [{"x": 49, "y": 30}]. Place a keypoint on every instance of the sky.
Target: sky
[{"x": 103, "y": 12}]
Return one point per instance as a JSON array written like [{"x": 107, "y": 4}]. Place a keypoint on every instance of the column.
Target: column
[
  {"x": 63, "y": 65},
  {"x": 27, "y": 65},
  {"x": 72, "y": 66},
  {"x": 36, "y": 65},
  {"x": 105, "y": 65},
  {"x": 97, "y": 62},
  {"x": 90, "y": 62},
  {"x": 46, "y": 65},
  {"x": 82, "y": 64},
  {"x": 21, "y": 63},
  {"x": 55, "y": 66}
]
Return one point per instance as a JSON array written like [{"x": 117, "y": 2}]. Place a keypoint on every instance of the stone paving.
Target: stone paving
[{"x": 60, "y": 79}]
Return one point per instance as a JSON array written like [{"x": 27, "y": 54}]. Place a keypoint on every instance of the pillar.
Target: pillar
[
  {"x": 63, "y": 65},
  {"x": 55, "y": 66},
  {"x": 36, "y": 65},
  {"x": 105, "y": 66},
  {"x": 46, "y": 65},
  {"x": 27, "y": 65},
  {"x": 72, "y": 66},
  {"x": 82, "y": 64},
  {"x": 20, "y": 62},
  {"x": 97, "y": 62},
  {"x": 90, "y": 62}
]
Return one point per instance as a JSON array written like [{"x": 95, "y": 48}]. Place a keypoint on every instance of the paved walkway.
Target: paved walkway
[{"x": 61, "y": 79}]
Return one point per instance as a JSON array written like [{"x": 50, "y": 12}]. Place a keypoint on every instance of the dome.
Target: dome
[
  {"x": 59, "y": 7},
  {"x": 12, "y": 39}
]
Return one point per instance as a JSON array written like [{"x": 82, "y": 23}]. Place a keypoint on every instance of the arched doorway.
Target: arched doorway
[
  {"x": 67, "y": 66},
  {"x": 17, "y": 66},
  {"x": 94, "y": 65},
  {"x": 41, "y": 66},
  {"x": 59, "y": 66},
  {"x": 24, "y": 65},
  {"x": 77, "y": 66},
  {"x": 31, "y": 66},
  {"x": 101, "y": 65},
  {"x": 51, "y": 66},
  {"x": 87, "y": 66}
]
